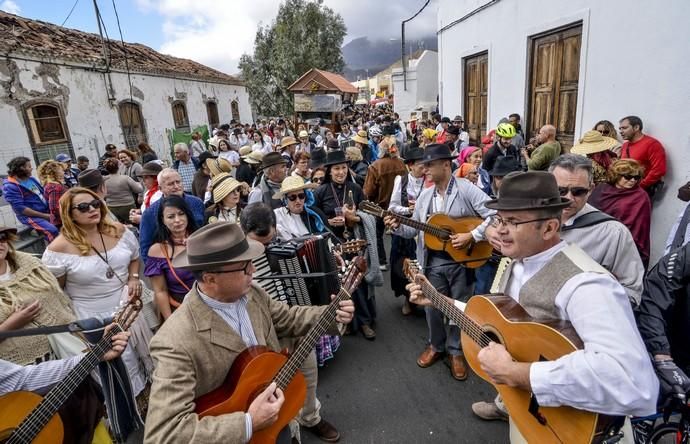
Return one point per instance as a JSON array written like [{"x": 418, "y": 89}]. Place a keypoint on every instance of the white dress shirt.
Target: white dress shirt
[
  {"x": 289, "y": 225},
  {"x": 35, "y": 378},
  {"x": 414, "y": 189},
  {"x": 613, "y": 373}
]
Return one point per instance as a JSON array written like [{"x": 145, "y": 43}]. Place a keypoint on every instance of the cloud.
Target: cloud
[
  {"x": 10, "y": 7},
  {"x": 218, "y": 36}
]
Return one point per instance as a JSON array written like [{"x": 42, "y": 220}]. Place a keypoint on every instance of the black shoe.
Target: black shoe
[{"x": 325, "y": 431}]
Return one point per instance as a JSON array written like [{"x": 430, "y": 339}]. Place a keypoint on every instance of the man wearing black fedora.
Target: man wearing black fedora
[
  {"x": 274, "y": 168},
  {"x": 551, "y": 279},
  {"x": 454, "y": 197},
  {"x": 221, "y": 316}
]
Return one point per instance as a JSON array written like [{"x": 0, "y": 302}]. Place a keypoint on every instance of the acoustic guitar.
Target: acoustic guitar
[
  {"x": 256, "y": 367},
  {"x": 26, "y": 417},
  {"x": 353, "y": 246},
  {"x": 437, "y": 231},
  {"x": 500, "y": 319}
]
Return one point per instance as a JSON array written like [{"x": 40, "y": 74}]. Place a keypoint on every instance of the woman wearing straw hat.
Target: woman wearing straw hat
[
  {"x": 226, "y": 191},
  {"x": 599, "y": 149},
  {"x": 297, "y": 218}
]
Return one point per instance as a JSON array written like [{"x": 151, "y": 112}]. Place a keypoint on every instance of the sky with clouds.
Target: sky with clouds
[{"x": 216, "y": 33}]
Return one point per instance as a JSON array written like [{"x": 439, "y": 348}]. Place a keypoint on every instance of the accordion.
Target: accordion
[{"x": 304, "y": 255}]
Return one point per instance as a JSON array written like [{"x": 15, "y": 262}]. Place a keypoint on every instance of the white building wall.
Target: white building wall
[
  {"x": 91, "y": 120},
  {"x": 422, "y": 86},
  {"x": 633, "y": 60}
]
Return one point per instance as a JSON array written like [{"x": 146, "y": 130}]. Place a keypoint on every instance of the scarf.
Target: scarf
[
  {"x": 308, "y": 203},
  {"x": 150, "y": 193}
]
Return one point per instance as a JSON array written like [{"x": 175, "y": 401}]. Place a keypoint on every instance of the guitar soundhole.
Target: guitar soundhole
[{"x": 493, "y": 336}]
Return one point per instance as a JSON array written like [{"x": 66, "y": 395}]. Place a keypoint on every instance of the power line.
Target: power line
[
  {"x": 129, "y": 75},
  {"x": 70, "y": 13}
]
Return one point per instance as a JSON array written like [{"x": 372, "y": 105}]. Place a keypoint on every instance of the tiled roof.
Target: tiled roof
[
  {"x": 336, "y": 81},
  {"x": 33, "y": 38}
]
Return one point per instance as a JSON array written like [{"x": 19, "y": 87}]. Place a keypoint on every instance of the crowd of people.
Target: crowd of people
[{"x": 570, "y": 230}]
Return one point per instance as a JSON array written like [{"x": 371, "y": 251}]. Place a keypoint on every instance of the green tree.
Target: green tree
[{"x": 305, "y": 34}]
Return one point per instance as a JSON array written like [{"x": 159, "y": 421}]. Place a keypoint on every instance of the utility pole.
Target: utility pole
[{"x": 402, "y": 45}]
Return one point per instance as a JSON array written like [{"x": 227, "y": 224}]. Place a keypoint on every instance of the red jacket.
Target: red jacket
[{"x": 651, "y": 155}]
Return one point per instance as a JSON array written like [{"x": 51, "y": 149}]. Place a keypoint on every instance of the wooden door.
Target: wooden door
[
  {"x": 555, "y": 72},
  {"x": 132, "y": 124},
  {"x": 476, "y": 77}
]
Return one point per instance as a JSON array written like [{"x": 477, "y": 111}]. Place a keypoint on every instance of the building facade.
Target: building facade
[
  {"x": 416, "y": 96},
  {"x": 63, "y": 90},
  {"x": 572, "y": 63}
]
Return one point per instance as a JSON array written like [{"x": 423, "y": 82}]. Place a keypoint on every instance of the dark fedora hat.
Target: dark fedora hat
[
  {"x": 150, "y": 169},
  {"x": 413, "y": 153},
  {"x": 505, "y": 165},
  {"x": 531, "y": 190},
  {"x": 271, "y": 159},
  {"x": 437, "y": 151},
  {"x": 453, "y": 130},
  {"x": 90, "y": 179},
  {"x": 446, "y": 120},
  {"x": 217, "y": 244},
  {"x": 333, "y": 145},
  {"x": 335, "y": 157},
  {"x": 318, "y": 158}
]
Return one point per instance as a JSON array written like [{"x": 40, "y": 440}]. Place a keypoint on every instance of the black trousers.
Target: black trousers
[{"x": 380, "y": 230}]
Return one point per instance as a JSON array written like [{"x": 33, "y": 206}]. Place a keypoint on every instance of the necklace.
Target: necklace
[
  {"x": 110, "y": 273},
  {"x": 180, "y": 242}
]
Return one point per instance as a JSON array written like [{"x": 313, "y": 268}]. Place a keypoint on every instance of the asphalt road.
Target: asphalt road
[{"x": 374, "y": 392}]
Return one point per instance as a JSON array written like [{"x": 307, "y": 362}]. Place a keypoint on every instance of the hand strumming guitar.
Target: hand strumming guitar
[
  {"x": 502, "y": 368},
  {"x": 265, "y": 408},
  {"x": 461, "y": 240}
]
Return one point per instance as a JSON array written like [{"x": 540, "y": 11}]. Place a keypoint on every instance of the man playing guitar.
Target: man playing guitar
[
  {"x": 551, "y": 279},
  {"x": 454, "y": 197}
]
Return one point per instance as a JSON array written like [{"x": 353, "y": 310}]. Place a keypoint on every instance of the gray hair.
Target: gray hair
[
  {"x": 164, "y": 173},
  {"x": 572, "y": 163},
  {"x": 183, "y": 146}
]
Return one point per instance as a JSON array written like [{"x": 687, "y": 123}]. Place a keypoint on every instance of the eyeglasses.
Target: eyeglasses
[
  {"x": 497, "y": 221},
  {"x": 84, "y": 206},
  {"x": 5, "y": 236},
  {"x": 294, "y": 197},
  {"x": 631, "y": 177},
  {"x": 575, "y": 191},
  {"x": 243, "y": 269},
  {"x": 317, "y": 179}
]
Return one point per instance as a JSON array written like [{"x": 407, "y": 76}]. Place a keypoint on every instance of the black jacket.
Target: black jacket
[
  {"x": 663, "y": 316},
  {"x": 494, "y": 153}
]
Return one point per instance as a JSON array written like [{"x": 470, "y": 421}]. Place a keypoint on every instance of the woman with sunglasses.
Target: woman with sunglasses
[
  {"x": 608, "y": 129},
  {"x": 297, "y": 217},
  {"x": 623, "y": 198},
  {"x": 170, "y": 284},
  {"x": 96, "y": 262}
]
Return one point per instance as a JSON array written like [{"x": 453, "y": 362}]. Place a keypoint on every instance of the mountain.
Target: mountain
[{"x": 362, "y": 54}]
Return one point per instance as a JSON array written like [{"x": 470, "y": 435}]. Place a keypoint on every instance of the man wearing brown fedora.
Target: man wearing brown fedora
[
  {"x": 221, "y": 316},
  {"x": 456, "y": 198},
  {"x": 274, "y": 168},
  {"x": 554, "y": 280}
]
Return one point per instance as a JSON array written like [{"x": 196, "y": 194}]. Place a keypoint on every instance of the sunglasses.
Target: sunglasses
[
  {"x": 294, "y": 197},
  {"x": 605, "y": 132},
  {"x": 317, "y": 179},
  {"x": 85, "y": 206},
  {"x": 5, "y": 236},
  {"x": 575, "y": 191},
  {"x": 631, "y": 177}
]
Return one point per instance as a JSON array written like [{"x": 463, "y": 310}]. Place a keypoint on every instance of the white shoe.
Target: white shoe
[{"x": 383, "y": 267}]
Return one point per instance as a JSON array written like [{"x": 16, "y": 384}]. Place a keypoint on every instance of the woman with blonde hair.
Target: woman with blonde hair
[
  {"x": 608, "y": 129},
  {"x": 622, "y": 197},
  {"x": 96, "y": 262},
  {"x": 52, "y": 176},
  {"x": 428, "y": 137}
]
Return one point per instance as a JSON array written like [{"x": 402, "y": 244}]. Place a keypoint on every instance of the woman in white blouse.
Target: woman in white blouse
[
  {"x": 226, "y": 191},
  {"x": 96, "y": 261},
  {"x": 293, "y": 219}
]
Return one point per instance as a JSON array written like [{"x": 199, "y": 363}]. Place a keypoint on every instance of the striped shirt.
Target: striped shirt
[
  {"x": 34, "y": 378},
  {"x": 237, "y": 317}
]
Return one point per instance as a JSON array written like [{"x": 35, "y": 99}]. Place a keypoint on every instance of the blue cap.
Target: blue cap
[{"x": 62, "y": 157}]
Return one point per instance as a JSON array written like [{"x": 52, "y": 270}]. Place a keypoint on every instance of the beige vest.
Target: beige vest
[{"x": 538, "y": 295}]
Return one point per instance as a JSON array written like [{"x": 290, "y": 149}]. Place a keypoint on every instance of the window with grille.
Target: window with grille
[
  {"x": 235, "y": 110},
  {"x": 47, "y": 131},
  {"x": 180, "y": 117},
  {"x": 132, "y": 123}
]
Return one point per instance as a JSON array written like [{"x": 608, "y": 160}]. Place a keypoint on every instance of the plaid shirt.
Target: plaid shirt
[
  {"x": 187, "y": 171},
  {"x": 53, "y": 192}
]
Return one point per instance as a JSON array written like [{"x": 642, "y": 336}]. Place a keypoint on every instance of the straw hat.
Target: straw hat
[
  {"x": 218, "y": 165},
  {"x": 245, "y": 150},
  {"x": 593, "y": 142},
  {"x": 292, "y": 184},
  {"x": 303, "y": 133},
  {"x": 215, "y": 245},
  {"x": 224, "y": 184},
  {"x": 254, "y": 158},
  {"x": 287, "y": 141},
  {"x": 361, "y": 137}
]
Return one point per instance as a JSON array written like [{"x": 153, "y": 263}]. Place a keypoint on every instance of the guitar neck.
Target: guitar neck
[
  {"x": 467, "y": 325},
  {"x": 58, "y": 395},
  {"x": 308, "y": 342},
  {"x": 422, "y": 226}
]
